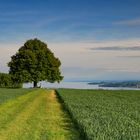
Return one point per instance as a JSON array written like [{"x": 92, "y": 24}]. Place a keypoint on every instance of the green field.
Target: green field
[
  {"x": 34, "y": 115},
  {"x": 41, "y": 114},
  {"x": 6, "y": 94},
  {"x": 104, "y": 114}
]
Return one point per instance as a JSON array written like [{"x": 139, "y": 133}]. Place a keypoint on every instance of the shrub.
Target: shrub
[{"x": 7, "y": 82}]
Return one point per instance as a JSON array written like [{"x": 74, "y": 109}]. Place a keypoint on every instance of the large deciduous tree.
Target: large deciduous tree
[{"x": 35, "y": 62}]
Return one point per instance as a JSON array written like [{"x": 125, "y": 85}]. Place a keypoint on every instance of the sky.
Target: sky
[{"x": 94, "y": 39}]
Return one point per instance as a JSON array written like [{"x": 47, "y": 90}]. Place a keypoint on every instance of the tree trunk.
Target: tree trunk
[{"x": 35, "y": 84}]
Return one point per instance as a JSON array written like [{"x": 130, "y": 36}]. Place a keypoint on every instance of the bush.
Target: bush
[{"x": 7, "y": 82}]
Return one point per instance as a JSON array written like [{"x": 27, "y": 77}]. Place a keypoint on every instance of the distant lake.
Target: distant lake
[{"x": 75, "y": 85}]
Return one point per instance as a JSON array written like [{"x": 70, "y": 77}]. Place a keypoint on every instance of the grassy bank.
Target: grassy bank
[
  {"x": 104, "y": 114},
  {"x": 36, "y": 115}
]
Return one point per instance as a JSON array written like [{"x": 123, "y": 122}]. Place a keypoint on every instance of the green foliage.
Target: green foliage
[
  {"x": 6, "y": 81},
  {"x": 35, "y": 62},
  {"x": 104, "y": 114}
]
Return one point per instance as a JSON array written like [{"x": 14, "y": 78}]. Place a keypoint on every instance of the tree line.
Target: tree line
[{"x": 6, "y": 81}]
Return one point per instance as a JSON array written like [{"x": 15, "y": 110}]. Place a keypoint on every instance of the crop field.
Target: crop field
[
  {"x": 39, "y": 114},
  {"x": 34, "y": 115},
  {"x": 104, "y": 114}
]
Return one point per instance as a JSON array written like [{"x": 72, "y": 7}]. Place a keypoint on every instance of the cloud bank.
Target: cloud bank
[
  {"x": 130, "y": 22},
  {"x": 79, "y": 61},
  {"x": 118, "y": 48}
]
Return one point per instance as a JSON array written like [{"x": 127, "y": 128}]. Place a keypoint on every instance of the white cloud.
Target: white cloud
[
  {"x": 131, "y": 22},
  {"x": 6, "y": 51},
  {"x": 121, "y": 42},
  {"x": 118, "y": 48},
  {"x": 94, "y": 64},
  {"x": 79, "y": 61}
]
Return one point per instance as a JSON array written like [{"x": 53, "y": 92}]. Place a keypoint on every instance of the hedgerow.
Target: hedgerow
[{"x": 7, "y": 82}]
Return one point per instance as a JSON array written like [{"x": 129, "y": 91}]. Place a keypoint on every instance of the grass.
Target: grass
[
  {"x": 27, "y": 114},
  {"x": 36, "y": 115},
  {"x": 6, "y": 94},
  {"x": 104, "y": 114}
]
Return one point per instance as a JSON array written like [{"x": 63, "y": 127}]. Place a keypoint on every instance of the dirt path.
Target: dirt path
[{"x": 36, "y": 116}]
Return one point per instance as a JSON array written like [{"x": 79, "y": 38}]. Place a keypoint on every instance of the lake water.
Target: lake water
[{"x": 75, "y": 85}]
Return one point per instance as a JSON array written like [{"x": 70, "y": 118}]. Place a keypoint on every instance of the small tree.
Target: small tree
[{"x": 34, "y": 62}]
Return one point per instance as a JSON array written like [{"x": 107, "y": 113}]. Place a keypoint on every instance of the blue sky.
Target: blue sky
[{"x": 74, "y": 26}]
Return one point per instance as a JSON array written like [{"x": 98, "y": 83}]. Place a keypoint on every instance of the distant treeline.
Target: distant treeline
[
  {"x": 129, "y": 84},
  {"x": 7, "y": 82}
]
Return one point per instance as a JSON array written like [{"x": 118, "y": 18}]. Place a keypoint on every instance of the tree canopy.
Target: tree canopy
[{"x": 35, "y": 62}]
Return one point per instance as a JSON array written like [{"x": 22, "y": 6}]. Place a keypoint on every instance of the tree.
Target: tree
[{"x": 35, "y": 62}]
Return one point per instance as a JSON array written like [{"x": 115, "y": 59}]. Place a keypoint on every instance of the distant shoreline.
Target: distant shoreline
[{"x": 126, "y": 84}]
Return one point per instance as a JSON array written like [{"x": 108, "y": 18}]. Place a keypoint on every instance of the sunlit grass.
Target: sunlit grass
[{"x": 35, "y": 116}]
